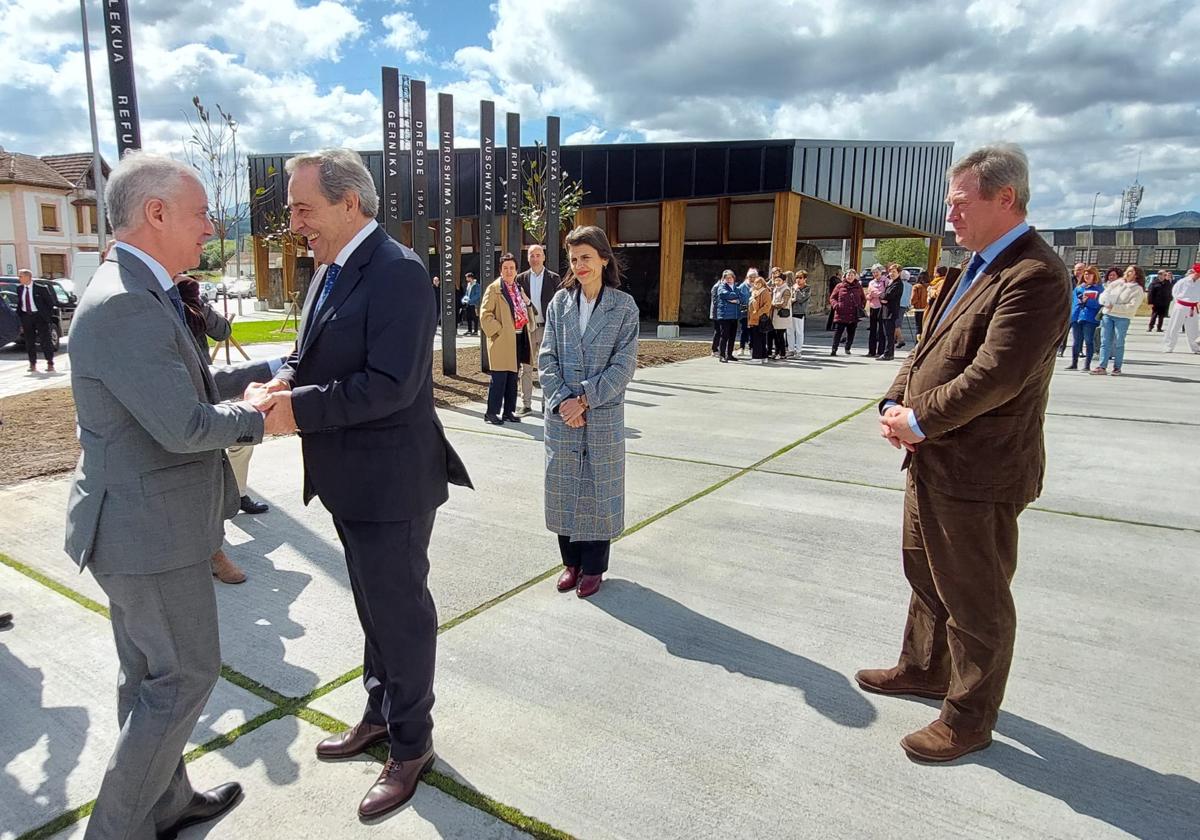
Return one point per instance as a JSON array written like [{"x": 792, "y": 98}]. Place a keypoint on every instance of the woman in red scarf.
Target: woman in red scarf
[{"x": 504, "y": 319}]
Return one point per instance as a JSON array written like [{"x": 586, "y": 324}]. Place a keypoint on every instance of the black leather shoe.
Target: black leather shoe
[
  {"x": 203, "y": 807},
  {"x": 6, "y": 620},
  {"x": 250, "y": 506},
  {"x": 511, "y": 418},
  {"x": 493, "y": 419}
]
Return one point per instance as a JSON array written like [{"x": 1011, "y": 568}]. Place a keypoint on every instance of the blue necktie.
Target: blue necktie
[
  {"x": 331, "y": 276},
  {"x": 965, "y": 283},
  {"x": 173, "y": 294}
]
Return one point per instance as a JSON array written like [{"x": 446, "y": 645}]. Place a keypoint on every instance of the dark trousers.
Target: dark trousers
[
  {"x": 728, "y": 330},
  {"x": 777, "y": 343},
  {"x": 716, "y": 346},
  {"x": 887, "y": 339},
  {"x": 389, "y": 569},
  {"x": 1159, "y": 313},
  {"x": 961, "y": 618},
  {"x": 829, "y": 320},
  {"x": 1084, "y": 333},
  {"x": 502, "y": 392},
  {"x": 744, "y": 338},
  {"x": 850, "y": 330},
  {"x": 471, "y": 316},
  {"x": 919, "y": 315},
  {"x": 37, "y": 333},
  {"x": 591, "y": 555},
  {"x": 875, "y": 331}
]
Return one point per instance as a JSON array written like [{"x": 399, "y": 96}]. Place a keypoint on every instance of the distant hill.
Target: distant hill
[{"x": 1186, "y": 219}]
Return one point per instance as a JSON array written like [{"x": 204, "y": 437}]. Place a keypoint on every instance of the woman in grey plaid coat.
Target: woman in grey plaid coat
[{"x": 588, "y": 356}]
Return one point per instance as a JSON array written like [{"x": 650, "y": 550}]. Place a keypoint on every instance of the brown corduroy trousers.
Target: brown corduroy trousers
[{"x": 959, "y": 557}]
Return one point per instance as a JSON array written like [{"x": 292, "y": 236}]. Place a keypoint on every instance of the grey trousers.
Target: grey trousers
[
  {"x": 165, "y": 627},
  {"x": 526, "y": 371}
]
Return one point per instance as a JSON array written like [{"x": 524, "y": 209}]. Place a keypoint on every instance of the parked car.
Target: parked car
[
  {"x": 235, "y": 289},
  {"x": 65, "y": 305},
  {"x": 208, "y": 291}
]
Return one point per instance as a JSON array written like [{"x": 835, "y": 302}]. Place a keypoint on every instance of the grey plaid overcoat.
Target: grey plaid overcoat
[{"x": 585, "y": 468}]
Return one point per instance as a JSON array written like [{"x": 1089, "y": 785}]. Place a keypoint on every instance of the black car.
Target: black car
[{"x": 65, "y": 303}]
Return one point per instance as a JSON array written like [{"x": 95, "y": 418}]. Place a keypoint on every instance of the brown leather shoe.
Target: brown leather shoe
[
  {"x": 891, "y": 681},
  {"x": 568, "y": 579},
  {"x": 353, "y": 741},
  {"x": 395, "y": 786},
  {"x": 225, "y": 570},
  {"x": 589, "y": 585},
  {"x": 939, "y": 742}
]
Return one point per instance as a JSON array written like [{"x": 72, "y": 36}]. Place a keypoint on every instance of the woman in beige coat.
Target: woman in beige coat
[{"x": 504, "y": 317}]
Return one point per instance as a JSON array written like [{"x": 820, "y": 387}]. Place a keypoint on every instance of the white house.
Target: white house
[{"x": 47, "y": 212}]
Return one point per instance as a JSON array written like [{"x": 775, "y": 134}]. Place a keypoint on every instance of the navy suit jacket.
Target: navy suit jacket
[{"x": 362, "y": 390}]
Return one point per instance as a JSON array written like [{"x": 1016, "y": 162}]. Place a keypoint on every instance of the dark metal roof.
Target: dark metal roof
[{"x": 901, "y": 184}]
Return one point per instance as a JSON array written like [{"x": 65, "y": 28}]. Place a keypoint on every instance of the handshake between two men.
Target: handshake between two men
[{"x": 274, "y": 400}]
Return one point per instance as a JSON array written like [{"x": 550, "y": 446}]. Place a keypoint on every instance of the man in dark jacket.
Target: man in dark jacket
[
  {"x": 36, "y": 308},
  {"x": 1159, "y": 298},
  {"x": 893, "y": 294}
]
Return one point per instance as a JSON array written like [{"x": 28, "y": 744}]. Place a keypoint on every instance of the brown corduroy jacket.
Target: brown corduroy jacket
[{"x": 979, "y": 380}]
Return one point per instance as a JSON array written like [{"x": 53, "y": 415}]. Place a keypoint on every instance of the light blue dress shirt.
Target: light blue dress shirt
[{"x": 987, "y": 255}]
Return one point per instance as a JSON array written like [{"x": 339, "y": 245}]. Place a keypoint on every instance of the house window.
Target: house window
[
  {"x": 54, "y": 266},
  {"x": 1083, "y": 255},
  {"x": 1083, "y": 237},
  {"x": 50, "y": 218},
  {"x": 1166, "y": 237},
  {"x": 1125, "y": 256},
  {"x": 85, "y": 218},
  {"x": 1124, "y": 239},
  {"x": 1166, "y": 257}
]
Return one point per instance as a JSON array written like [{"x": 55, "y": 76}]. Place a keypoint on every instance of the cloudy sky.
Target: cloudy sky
[{"x": 1086, "y": 87}]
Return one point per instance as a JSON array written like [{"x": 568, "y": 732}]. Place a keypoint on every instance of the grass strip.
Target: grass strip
[{"x": 50, "y": 583}]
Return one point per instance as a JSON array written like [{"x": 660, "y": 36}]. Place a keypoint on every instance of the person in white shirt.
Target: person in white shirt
[
  {"x": 1184, "y": 315},
  {"x": 539, "y": 284},
  {"x": 1120, "y": 301}
]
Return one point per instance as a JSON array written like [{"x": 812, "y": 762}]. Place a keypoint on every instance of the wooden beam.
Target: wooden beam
[
  {"x": 785, "y": 229},
  {"x": 672, "y": 222},
  {"x": 935, "y": 254},
  {"x": 586, "y": 216},
  {"x": 612, "y": 226},
  {"x": 289, "y": 268},
  {"x": 502, "y": 221},
  {"x": 262, "y": 267},
  {"x": 856, "y": 244}
]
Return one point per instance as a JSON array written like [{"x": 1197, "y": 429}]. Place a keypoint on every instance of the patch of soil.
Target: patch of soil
[{"x": 38, "y": 438}]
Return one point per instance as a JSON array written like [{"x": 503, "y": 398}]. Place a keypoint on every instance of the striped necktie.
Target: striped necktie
[
  {"x": 331, "y": 276},
  {"x": 173, "y": 294}
]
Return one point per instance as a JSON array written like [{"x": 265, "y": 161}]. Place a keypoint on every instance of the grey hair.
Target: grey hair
[
  {"x": 997, "y": 166},
  {"x": 24, "y": 271},
  {"x": 341, "y": 171},
  {"x": 138, "y": 178},
  {"x": 536, "y": 246}
]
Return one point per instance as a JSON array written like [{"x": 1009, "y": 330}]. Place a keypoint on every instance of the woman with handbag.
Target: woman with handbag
[
  {"x": 801, "y": 294},
  {"x": 781, "y": 316},
  {"x": 588, "y": 356},
  {"x": 504, "y": 318},
  {"x": 758, "y": 316}
]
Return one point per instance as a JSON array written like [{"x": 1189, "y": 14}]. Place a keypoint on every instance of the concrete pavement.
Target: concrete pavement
[{"x": 707, "y": 691}]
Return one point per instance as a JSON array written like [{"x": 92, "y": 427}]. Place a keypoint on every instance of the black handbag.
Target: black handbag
[{"x": 784, "y": 313}]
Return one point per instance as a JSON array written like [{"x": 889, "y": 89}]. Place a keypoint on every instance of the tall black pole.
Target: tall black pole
[
  {"x": 420, "y": 174},
  {"x": 553, "y": 191},
  {"x": 120, "y": 74},
  {"x": 513, "y": 184},
  {"x": 487, "y": 205},
  {"x": 391, "y": 152},
  {"x": 446, "y": 244}
]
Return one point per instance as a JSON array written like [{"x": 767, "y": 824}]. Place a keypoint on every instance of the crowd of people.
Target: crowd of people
[
  {"x": 768, "y": 315},
  {"x": 1103, "y": 310}
]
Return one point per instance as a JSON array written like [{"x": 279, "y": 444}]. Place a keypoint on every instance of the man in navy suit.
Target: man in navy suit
[{"x": 359, "y": 389}]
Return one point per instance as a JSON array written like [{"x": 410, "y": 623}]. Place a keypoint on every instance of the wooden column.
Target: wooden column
[
  {"x": 262, "y": 267},
  {"x": 856, "y": 244},
  {"x": 502, "y": 222},
  {"x": 785, "y": 229},
  {"x": 612, "y": 226},
  {"x": 289, "y": 268},
  {"x": 935, "y": 254},
  {"x": 586, "y": 216},
  {"x": 723, "y": 209},
  {"x": 672, "y": 222}
]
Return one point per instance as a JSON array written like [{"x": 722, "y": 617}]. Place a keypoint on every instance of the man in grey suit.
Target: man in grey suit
[{"x": 151, "y": 491}]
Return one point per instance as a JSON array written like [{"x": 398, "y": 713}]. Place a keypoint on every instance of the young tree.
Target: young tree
[
  {"x": 533, "y": 197},
  {"x": 903, "y": 251}
]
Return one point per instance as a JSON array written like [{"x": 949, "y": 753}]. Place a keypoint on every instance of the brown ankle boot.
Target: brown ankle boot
[{"x": 225, "y": 570}]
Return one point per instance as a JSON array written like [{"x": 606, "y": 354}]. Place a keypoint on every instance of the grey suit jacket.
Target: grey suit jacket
[{"x": 153, "y": 485}]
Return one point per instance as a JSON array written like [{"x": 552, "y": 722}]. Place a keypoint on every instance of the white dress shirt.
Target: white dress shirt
[
  {"x": 535, "y": 292},
  {"x": 27, "y": 295},
  {"x": 586, "y": 307},
  {"x": 344, "y": 254}
]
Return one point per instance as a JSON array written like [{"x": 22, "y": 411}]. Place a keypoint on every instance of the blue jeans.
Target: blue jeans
[
  {"x": 1112, "y": 340},
  {"x": 1084, "y": 333}
]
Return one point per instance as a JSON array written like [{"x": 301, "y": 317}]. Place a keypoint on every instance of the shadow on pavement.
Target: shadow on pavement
[{"x": 690, "y": 635}]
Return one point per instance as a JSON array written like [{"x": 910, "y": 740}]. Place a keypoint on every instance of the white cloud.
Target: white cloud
[{"x": 405, "y": 34}]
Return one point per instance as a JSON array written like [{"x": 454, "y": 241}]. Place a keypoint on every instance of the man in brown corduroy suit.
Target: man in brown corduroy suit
[{"x": 968, "y": 405}]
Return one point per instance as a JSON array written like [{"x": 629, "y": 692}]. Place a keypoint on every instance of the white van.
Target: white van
[{"x": 83, "y": 266}]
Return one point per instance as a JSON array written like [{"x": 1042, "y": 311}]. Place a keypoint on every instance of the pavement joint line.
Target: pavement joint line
[
  {"x": 1121, "y": 419},
  {"x": 764, "y": 390},
  {"x": 1092, "y": 516},
  {"x": 450, "y": 786}
]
